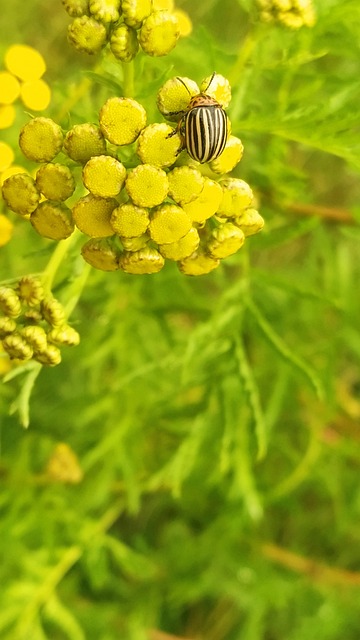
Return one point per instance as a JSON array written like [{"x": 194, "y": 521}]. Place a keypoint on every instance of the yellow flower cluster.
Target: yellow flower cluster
[
  {"x": 22, "y": 78},
  {"x": 33, "y": 325},
  {"x": 293, "y": 14},
  {"x": 167, "y": 207},
  {"x": 126, "y": 26}
]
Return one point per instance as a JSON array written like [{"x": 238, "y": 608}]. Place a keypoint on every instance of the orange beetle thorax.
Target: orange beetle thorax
[{"x": 202, "y": 100}]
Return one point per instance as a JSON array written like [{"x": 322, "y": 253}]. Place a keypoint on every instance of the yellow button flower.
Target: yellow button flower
[
  {"x": 157, "y": 146},
  {"x": 83, "y": 141},
  {"x": 129, "y": 221},
  {"x": 35, "y": 336},
  {"x": 121, "y": 120},
  {"x": 134, "y": 12},
  {"x": 101, "y": 253},
  {"x": 30, "y": 290},
  {"x": 17, "y": 347},
  {"x": 11, "y": 171},
  {"x": 198, "y": 264},
  {"x": 106, "y": 11},
  {"x": 35, "y": 94},
  {"x": 185, "y": 184},
  {"x": 6, "y": 230},
  {"x": 25, "y": 62},
  {"x": 237, "y": 196},
  {"x": 181, "y": 248},
  {"x": 124, "y": 43},
  {"x": 20, "y": 193},
  {"x": 7, "y": 115},
  {"x": 143, "y": 261},
  {"x": 92, "y": 215},
  {"x": 135, "y": 244},
  {"x": 50, "y": 356},
  {"x": 64, "y": 335},
  {"x": 55, "y": 181},
  {"x": 224, "y": 241},
  {"x": 76, "y": 8},
  {"x": 250, "y": 222},
  {"x": 87, "y": 34},
  {"x": 218, "y": 88},
  {"x": 52, "y": 220},
  {"x": 52, "y": 311},
  {"x": 159, "y": 33},
  {"x": 229, "y": 158},
  {"x": 184, "y": 22},
  {"x": 9, "y": 88},
  {"x": 7, "y": 326},
  {"x": 146, "y": 185},
  {"x": 104, "y": 176},
  {"x": 206, "y": 204},
  {"x": 6, "y": 156},
  {"x": 40, "y": 139},
  {"x": 169, "y": 223},
  {"x": 174, "y": 96}
]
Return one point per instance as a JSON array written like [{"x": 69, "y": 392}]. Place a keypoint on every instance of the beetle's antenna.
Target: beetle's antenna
[
  {"x": 210, "y": 81},
  {"x": 182, "y": 82}
]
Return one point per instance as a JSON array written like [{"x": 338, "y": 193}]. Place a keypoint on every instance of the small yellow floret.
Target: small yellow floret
[
  {"x": 207, "y": 203},
  {"x": 11, "y": 171},
  {"x": 219, "y": 89},
  {"x": 101, "y": 254},
  {"x": 146, "y": 185},
  {"x": 124, "y": 43},
  {"x": 9, "y": 88},
  {"x": 237, "y": 196},
  {"x": 229, "y": 158},
  {"x": 225, "y": 240},
  {"x": 158, "y": 146},
  {"x": 104, "y": 176},
  {"x": 134, "y": 12},
  {"x": 21, "y": 194},
  {"x": 184, "y": 22},
  {"x": 83, "y": 141},
  {"x": 55, "y": 181},
  {"x": 40, "y": 139},
  {"x": 169, "y": 223},
  {"x": 25, "y": 62},
  {"x": 174, "y": 96},
  {"x": 129, "y": 221},
  {"x": 7, "y": 115},
  {"x": 6, "y": 156},
  {"x": 185, "y": 184},
  {"x": 159, "y": 33},
  {"x": 87, "y": 34},
  {"x": 145, "y": 260},
  {"x": 181, "y": 248},
  {"x": 250, "y": 222},
  {"x": 92, "y": 215},
  {"x": 35, "y": 94},
  {"x": 52, "y": 220},
  {"x": 198, "y": 264},
  {"x": 121, "y": 120}
]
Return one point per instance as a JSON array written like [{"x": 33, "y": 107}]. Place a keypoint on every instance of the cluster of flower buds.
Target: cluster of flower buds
[
  {"x": 33, "y": 325},
  {"x": 167, "y": 207},
  {"x": 293, "y": 14},
  {"x": 126, "y": 25},
  {"x": 22, "y": 78}
]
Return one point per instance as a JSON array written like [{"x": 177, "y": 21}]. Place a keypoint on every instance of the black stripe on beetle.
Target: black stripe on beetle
[{"x": 203, "y": 127}]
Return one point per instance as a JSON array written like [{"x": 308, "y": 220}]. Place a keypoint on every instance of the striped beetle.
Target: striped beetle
[{"x": 203, "y": 127}]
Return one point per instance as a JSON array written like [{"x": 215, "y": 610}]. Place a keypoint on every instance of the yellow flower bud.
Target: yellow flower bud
[
  {"x": 143, "y": 261},
  {"x": 157, "y": 146},
  {"x": 237, "y": 196},
  {"x": 25, "y": 62},
  {"x": 55, "y": 181},
  {"x": 10, "y": 304},
  {"x": 169, "y": 223},
  {"x": 87, "y": 35},
  {"x": 7, "y": 115},
  {"x": 105, "y": 10},
  {"x": 135, "y": 11},
  {"x": 20, "y": 193},
  {"x": 76, "y": 7},
  {"x": 147, "y": 185},
  {"x": 129, "y": 221},
  {"x": 101, "y": 253},
  {"x": 104, "y": 176},
  {"x": 159, "y": 33},
  {"x": 64, "y": 335},
  {"x": 52, "y": 220},
  {"x": 35, "y": 94},
  {"x": 184, "y": 22},
  {"x": 174, "y": 96},
  {"x": 198, "y": 264},
  {"x": 124, "y": 43},
  {"x": 250, "y": 222},
  {"x": 6, "y": 230},
  {"x": 9, "y": 88},
  {"x": 135, "y": 244},
  {"x": 30, "y": 290},
  {"x": 219, "y": 89},
  {"x": 7, "y": 326},
  {"x": 229, "y": 158},
  {"x": 206, "y": 204},
  {"x": 11, "y": 171},
  {"x": 52, "y": 311},
  {"x": 35, "y": 337},
  {"x": 41, "y": 139},
  {"x": 17, "y": 347},
  {"x": 121, "y": 120},
  {"x": 181, "y": 248},
  {"x": 185, "y": 184},
  {"x": 225, "y": 240},
  {"x": 50, "y": 356},
  {"x": 92, "y": 215},
  {"x": 6, "y": 156},
  {"x": 83, "y": 141}
]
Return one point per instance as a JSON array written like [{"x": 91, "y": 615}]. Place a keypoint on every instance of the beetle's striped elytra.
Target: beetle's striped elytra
[{"x": 203, "y": 127}]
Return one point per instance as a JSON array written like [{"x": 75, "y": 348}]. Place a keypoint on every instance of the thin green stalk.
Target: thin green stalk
[
  {"x": 244, "y": 54},
  {"x": 128, "y": 85},
  {"x": 56, "y": 259}
]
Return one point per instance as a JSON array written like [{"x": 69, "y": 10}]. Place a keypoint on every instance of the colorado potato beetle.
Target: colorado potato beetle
[{"x": 203, "y": 127}]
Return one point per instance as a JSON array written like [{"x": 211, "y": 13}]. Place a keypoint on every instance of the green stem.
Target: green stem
[
  {"x": 244, "y": 55},
  {"x": 56, "y": 259},
  {"x": 128, "y": 74}
]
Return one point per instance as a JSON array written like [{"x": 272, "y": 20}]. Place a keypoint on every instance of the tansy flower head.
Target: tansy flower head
[
  {"x": 83, "y": 141},
  {"x": 41, "y": 139},
  {"x": 157, "y": 146},
  {"x": 143, "y": 261},
  {"x": 121, "y": 120},
  {"x": 147, "y": 185},
  {"x": 52, "y": 220},
  {"x": 92, "y": 215},
  {"x": 101, "y": 253},
  {"x": 104, "y": 176}
]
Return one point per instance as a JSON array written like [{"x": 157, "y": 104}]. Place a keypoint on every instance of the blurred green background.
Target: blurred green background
[{"x": 215, "y": 420}]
